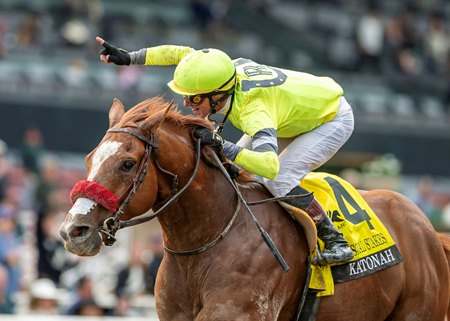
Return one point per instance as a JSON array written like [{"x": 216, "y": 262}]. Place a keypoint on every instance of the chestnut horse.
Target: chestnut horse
[{"x": 216, "y": 265}]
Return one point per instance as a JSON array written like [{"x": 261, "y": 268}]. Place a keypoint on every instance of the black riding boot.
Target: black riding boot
[{"x": 336, "y": 248}]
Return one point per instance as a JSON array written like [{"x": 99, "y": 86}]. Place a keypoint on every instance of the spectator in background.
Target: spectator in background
[
  {"x": 157, "y": 248},
  {"x": 133, "y": 279},
  {"x": 83, "y": 301},
  {"x": 403, "y": 43},
  {"x": 75, "y": 33},
  {"x": 49, "y": 179},
  {"x": 424, "y": 197},
  {"x": 32, "y": 149},
  {"x": 89, "y": 308},
  {"x": 3, "y": 39},
  {"x": 208, "y": 17},
  {"x": 139, "y": 276},
  {"x": 123, "y": 308},
  {"x": 370, "y": 39},
  {"x": 76, "y": 74},
  {"x": 20, "y": 189},
  {"x": 202, "y": 15},
  {"x": 446, "y": 217},
  {"x": 71, "y": 23},
  {"x": 437, "y": 44},
  {"x": 53, "y": 259},
  {"x": 10, "y": 248},
  {"x": 27, "y": 34},
  {"x": 4, "y": 169},
  {"x": 6, "y": 303},
  {"x": 43, "y": 297}
]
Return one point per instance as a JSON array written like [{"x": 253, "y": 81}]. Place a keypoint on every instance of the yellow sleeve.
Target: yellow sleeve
[
  {"x": 264, "y": 164},
  {"x": 166, "y": 55}
]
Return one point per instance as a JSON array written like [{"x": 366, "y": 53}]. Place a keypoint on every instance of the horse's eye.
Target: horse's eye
[{"x": 127, "y": 165}]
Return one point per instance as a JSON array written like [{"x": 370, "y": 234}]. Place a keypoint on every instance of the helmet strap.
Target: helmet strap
[
  {"x": 222, "y": 124},
  {"x": 213, "y": 104}
]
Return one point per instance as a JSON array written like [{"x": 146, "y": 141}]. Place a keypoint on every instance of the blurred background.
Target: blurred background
[{"x": 391, "y": 57}]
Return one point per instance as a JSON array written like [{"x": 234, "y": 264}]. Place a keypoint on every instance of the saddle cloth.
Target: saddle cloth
[{"x": 369, "y": 239}]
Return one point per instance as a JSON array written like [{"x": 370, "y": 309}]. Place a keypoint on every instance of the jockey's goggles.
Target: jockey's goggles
[{"x": 194, "y": 99}]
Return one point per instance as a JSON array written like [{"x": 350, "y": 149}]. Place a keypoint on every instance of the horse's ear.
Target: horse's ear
[
  {"x": 116, "y": 112},
  {"x": 153, "y": 122}
]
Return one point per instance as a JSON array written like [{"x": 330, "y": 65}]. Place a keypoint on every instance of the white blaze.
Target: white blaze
[
  {"x": 82, "y": 206},
  {"x": 103, "y": 152}
]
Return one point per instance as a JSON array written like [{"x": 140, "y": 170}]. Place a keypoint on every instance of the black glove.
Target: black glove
[
  {"x": 117, "y": 56},
  {"x": 209, "y": 138}
]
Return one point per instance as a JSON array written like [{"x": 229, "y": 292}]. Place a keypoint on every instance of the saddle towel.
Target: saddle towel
[{"x": 372, "y": 245}]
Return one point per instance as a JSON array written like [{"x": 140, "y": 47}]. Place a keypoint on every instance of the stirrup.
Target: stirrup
[{"x": 328, "y": 257}]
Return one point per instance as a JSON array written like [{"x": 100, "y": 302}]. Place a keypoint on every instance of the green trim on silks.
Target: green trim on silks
[{"x": 264, "y": 164}]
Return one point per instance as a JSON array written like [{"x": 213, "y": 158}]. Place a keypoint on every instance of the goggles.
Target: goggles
[{"x": 194, "y": 99}]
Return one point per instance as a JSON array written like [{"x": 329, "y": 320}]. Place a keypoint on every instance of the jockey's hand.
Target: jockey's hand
[
  {"x": 112, "y": 54},
  {"x": 209, "y": 138}
]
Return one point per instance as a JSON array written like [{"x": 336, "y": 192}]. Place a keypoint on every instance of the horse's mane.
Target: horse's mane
[{"x": 151, "y": 106}]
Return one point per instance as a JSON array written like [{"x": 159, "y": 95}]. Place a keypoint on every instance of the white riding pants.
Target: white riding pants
[{"x": 302, "y": 154}]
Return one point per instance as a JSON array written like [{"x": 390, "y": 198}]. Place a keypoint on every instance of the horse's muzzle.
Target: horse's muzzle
[{"x": 81, "y": 239}]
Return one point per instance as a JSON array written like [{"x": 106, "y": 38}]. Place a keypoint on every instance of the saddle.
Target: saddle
[{"x": 369, "y": 239}]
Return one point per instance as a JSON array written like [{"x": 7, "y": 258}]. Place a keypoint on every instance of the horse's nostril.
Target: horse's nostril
[{"x": 79, "y": 231}]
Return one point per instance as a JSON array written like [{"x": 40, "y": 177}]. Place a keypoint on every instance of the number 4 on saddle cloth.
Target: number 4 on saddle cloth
[{"x": 372, "y": 245}]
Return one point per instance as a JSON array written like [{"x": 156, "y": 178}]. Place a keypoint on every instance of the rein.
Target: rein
[
  {"x": 266, "y": 237},
  {"x": 213, "y": 242}
]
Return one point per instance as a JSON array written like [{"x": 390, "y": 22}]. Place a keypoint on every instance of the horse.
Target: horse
[{"x": 216, "y": 265}]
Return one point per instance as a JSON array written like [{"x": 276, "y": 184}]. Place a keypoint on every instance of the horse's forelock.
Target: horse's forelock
[{"x": 148, "y": 107}]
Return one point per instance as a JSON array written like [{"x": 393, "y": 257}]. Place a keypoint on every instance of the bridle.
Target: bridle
[{"x": 112, "y": 224}]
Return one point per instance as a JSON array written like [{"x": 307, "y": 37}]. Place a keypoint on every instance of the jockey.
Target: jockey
[{"x": 293, "y": 122}]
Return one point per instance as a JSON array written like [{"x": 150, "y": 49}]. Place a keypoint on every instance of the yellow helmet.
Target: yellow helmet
[{"x": 202, "y": 72}]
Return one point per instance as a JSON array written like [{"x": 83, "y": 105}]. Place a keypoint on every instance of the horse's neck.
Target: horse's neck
[{"x": 201, "y": 212}]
